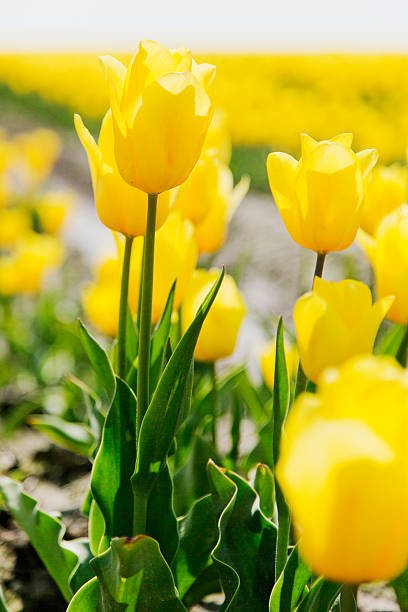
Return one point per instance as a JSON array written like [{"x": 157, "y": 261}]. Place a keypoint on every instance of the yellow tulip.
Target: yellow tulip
[
  {"x": 100, "y": 298},
  {"x": 320, "y": 197},
  {"x": 195, "y": 196},
  {"x": 53, "y": 209},
  {"x": 14, "y": 224},
  {"x": 219, "y": 333},
  {"x": 176, "y": 256},
  {"x": 387, "y": 190},
  {"x": 388, "y": 253},
  {"x": 25, "y": 270},
  {"x": 268, "y": 361},
  {"x": 120, "y": 207},
  {"x": 334, "y": 322},
  {"x": 218, "y": 141},
  {"x": 162, "y": 106},
  {"x": 343, "y": 470},
  {"x": 37, "y": 152}
]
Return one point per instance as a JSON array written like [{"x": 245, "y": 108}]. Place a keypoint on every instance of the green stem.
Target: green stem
[
  {"x": 143, "y": 391},
  {"x": 349, "y": 598},
  {"x": 401, "y": 355},
  {"x": 283, "y": 533},
  {"x": 214, "y": 406},
  {"x": 319, "y": 265},
  {"x": 123, "y": 306}
]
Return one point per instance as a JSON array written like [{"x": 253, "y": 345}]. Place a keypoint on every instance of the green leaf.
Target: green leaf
[
  {"x": 82, "y": 572},
  {"x": 132, "y": 338},
  {"x": 96, "y": 528},
  {"x": 264, "y": 485},
  {"x": 245, "y": 552},
  {"x": 114, "y": 463},
  {"x": 251, "y": 398},
  {"x": 99, "y": 360},
  {"x": 45, "y": 533},
  {"x": 3, "y": 605},
  {"x": 159, "y": 340},
  {"x": 132, "y": 577},
  {"x": 168, "y": 405},
  {"x": 75, "y": 437},
  {"x": 321, "y": 596},
  {"x": 198, "y": 536},
  {"x": 161, "y": 523},
  {"x": 400, "y": 586},
  {"x": 280, "y": 390},
  {"x": 290, "y": 585},
  {"x": 191, "y": 480},
  {"x": 283, "y": 531}
]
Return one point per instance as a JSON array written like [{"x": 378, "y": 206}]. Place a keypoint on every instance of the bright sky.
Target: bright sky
[{"x": 239, "y": 25}]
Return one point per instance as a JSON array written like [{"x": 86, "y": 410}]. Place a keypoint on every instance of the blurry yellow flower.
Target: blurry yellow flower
[
  {"x": 320, "y": 197},
  {"x": 28, "y": 266},
  {"x": 388, "y": 253},
  {"x": 175, "y": 259},
  {"x": 37, "y": 152},
  {"x": 219, "y": 333},
  {"x": 334, "y": 322},
  {"x": 343, "y": 470},
  {"x": 218, "y": 140},
  {"x": 14, "y": 224},
  {"x": 53, "y": 209},
  {"x": 268, "y": 361},
  {"x": 162, "y": 106},
  {"x": 195, "y": 196},
  {"x": 100, "y": 298},
  {"x": 120, "y": 207},
  {"x": 387, "y": 190}
]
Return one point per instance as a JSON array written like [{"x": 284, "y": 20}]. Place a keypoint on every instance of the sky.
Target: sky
[{"x": 206, "y": 25}]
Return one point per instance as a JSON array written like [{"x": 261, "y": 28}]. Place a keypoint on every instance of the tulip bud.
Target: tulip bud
[
  {"x": 388, "y": 253},
  {"x": 36, "y": 152},
  {"x": 100, "y": 298},
  {"x": 162, "y": 106},
  {"x": 387, "y": 190},
  {"x": 334, "y": 322},
  {"x": 120, "y": 207},
  {"x": 268, "y": 361},
  {"x": 343, "y": 470},
  {"x": 320, "y": 197},
  {"x": 53, "y": 209},
  {"x": 220, "y": 329}
]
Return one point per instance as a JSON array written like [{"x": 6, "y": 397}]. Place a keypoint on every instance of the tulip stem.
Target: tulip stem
[
  {"x": 143, "y": 373},
  {"x": 214, "y": 406},
  {"x": 319, "y": 265},
  {"x": 123, "y": 309},
  {"x": 349, "y": 598}
]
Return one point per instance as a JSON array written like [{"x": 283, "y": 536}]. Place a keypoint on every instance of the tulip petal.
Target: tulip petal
[
  {"x": 115, "y": 74},
  {"x": 368, "y": 244},
  {"x": 367, "y": 160},
  {"x": 345, "y": 139},
  {"x": 91, "y": 148},
  {"x": 307, "y": 144}
]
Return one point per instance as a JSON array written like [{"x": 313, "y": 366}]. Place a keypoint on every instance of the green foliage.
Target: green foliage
[
  {"x": 100, "y": 362},
  {"x": 400, "y": 586},
  {"x": 290, "y": 585}
]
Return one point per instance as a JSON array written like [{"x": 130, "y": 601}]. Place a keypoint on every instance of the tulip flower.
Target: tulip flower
[
  {"x": 25, "y": 270},
  {"x": 162, "y": 106},
  {"x": 100, "y": 298},
  {"x": 176, "y": 256},
  {"x": 320, "y": 197},
  {"x": 120, "y": 207},
  {"x": 388, "y": 253},
  {"x": 334, "y": 322},
  {"x": 219, "y": 333},
  {"x": 53, "y": 209},
  {"x": 343, "y": 470},
  {"x": 37, "y": 152},
  {"x": 14, "y": 224},
  {"x": 268, "y": 361},
  {"x": 218, "y": 140},
  {"x": 387, "y": 190}
]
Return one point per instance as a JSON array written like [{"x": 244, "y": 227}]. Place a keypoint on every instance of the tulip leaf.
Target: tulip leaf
[
  {"x": 169, "y": 403},
  {"x": 132, "y": 338},
  {"x": 280, "y": 391},
  {"x": 290, "y": 585},
  {"x": 45, "y": 533},
  {"x": 400, "y": 586},
  {"x": 76, "y": 437},
  {"x": 321, "y": 596},
  {"x": 264, "y": 485},
  {"x": 82, "y": 572},
  {"x": 3, "y": 605},
  {"x": 132, "y": 576},
  {"x": 246, "y": 547},
  {"x": 159, "y": 340},
  {"x": 99, "y": 360},
  {"x": 96, "y": 530},
  {"x": 191, "y": 481},
  {"x": 251, "y": 398},
  {"x": 114, "y": 463},
  {"x": 198, "y": 536},
  {"x": 161, "y": 523}
]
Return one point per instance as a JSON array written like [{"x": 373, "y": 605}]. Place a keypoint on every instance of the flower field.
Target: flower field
[{"x": 186, "y": 478}]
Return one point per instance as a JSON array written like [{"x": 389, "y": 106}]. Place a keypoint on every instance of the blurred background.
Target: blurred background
[{"x": 282, "y": 68}]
